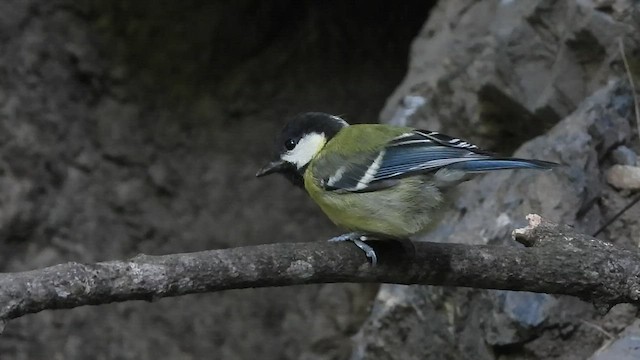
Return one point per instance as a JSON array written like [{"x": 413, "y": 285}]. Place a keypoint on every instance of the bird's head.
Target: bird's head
[{"x": 299, "y": 142}]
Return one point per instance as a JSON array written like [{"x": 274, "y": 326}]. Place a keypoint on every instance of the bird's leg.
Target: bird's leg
[{"x": 359, "y": 240}]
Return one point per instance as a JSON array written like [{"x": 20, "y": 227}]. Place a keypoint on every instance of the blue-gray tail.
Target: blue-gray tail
[{"x": 481, "y": 165}]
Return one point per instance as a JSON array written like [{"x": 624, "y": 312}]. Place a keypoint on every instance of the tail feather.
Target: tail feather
[{"x": 482, "y": 165}]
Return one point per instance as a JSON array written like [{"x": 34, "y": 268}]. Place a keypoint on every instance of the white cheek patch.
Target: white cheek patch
[{"x": 305, "y": 150}]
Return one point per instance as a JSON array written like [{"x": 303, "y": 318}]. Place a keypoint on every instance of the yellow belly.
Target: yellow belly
[{"x": 398, "y": 212}]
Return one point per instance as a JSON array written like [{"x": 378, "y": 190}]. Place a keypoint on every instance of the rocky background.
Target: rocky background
[{"x": 136, "y": 127}]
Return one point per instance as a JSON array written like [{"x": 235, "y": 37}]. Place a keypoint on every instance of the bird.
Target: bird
[{"x": 379, "y": 181}]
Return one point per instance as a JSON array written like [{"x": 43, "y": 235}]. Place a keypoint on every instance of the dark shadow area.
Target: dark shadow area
[
  {"x": 506, "y": 119},
  {"x": 189, "y": 47},
  {"x": 137, "y": 127}
]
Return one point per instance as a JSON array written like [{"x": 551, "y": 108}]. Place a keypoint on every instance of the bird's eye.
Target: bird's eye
[{"x": 290, "y": 144}]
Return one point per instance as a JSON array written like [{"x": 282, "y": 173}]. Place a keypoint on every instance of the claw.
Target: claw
[
  {"x": 368, "y": 250},
  {"x": 359, "y": 240}
]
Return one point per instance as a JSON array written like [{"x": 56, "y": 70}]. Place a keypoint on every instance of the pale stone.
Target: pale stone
[{"x": 624, "y": 177}]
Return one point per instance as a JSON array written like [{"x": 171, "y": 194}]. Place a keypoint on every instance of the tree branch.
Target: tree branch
[{"x": 555, "y": 260}]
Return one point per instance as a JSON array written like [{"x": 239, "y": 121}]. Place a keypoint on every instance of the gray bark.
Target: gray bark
[{"x": 555, "y": 260}]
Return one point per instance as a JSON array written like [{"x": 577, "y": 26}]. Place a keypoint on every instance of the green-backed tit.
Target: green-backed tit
[{"x": 379, "y": 181}]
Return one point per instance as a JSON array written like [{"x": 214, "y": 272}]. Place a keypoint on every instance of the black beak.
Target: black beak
[{"x": 272, "y": 167}]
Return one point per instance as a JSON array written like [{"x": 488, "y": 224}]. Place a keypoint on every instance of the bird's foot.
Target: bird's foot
[{"x": 359, "y": 240}]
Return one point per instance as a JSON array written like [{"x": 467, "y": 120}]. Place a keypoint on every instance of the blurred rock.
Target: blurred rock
[
  {"x": 625, "y": 347},
  {"x": 162, "y": 178},
  {"x": 118, "y": 138},
  {"x": 515, "y": 317},
  {"x": 622, "y": 155},
  {"x": 513, "y": 320},
  {"x": 501, "y": 73},
  {"x": 407, "y": 107},
  {"x": 407, "y": 322},
  {"x": 624, "y": 177},
  {"x": 17, "y": 215}
]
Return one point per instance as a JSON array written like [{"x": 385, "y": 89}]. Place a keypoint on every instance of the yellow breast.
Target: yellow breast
[{"x": 398, "y": 212}]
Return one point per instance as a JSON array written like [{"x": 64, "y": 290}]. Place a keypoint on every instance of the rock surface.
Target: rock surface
[
  {"x": 622, "y": 155},
  {"x": 624, "y": 177},
  {"x": 501, "y": 73},
  {"x": 499, "y": 324},
  {"x": 624, "y": 348}
]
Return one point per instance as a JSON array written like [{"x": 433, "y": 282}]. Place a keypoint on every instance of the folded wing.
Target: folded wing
[{"x": 420, "y": 152}]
